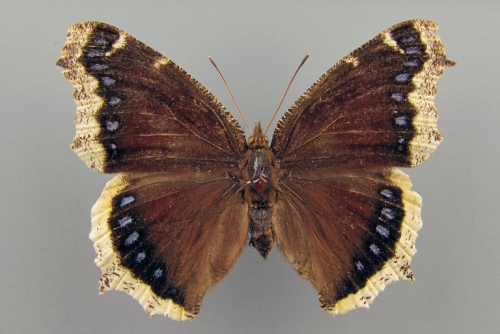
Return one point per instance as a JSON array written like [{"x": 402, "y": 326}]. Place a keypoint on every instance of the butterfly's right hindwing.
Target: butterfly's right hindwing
[{"x": 165, "y": 240}]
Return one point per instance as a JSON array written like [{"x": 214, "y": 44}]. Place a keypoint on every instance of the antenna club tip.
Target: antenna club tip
[{"x": 213, "y": 62}]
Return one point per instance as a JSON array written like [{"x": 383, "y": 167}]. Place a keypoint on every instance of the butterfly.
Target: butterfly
[{"x": 192, "y": 191}]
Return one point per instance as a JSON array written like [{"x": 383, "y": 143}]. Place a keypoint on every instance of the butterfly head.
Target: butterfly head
[{"x": 258, "y": 139}]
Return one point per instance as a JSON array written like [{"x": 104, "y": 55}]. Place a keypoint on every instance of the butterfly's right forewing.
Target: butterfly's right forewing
[{"x": 138, "y": 111}]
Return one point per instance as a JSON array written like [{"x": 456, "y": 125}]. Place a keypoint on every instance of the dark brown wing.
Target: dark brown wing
[
  {"x": 172, "y": 225},
  {"x": 350, "y": 234},
  {"x": 138, "y": 111},
  {"x": 345, "y": 218},
  {"x": 373, "y": 108},
  {"x": 166, "y": 238}
]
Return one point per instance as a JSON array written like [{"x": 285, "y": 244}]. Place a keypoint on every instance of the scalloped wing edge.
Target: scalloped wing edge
[
  {"x": 427, "y": 136},
  {"x": 114, "y": 275},
  {"x": 86, "y": 143},
  {"x": 88, "y": 103},
  {"x": 397, "y": 267}
]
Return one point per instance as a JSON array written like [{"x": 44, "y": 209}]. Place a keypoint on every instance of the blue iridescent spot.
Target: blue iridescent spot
[
  {"x": 98, "y": 66},
  {"x": 359, "y": 266},
  {"x": 402, "y": 77},
  {"x": 412, "y": 49},
  {"x": 411, "y": 63},
  {"x": 131, "y": 238},
  {"x": 408, "y": 39},
  {"x": 107, "y": 81},
  {"x": 401, "y": 120},
  {"x": 383, "y": 231},
  {"x": 100, "y": 41},
  {"x": 398, "y": 96},
  {"x": 112, "y": 125},
  {"x": 388, "y": 213},
  {"x": 122, "y": 222},
  {"x": 386, "y": 193},
  {"x": 375, "y": 249},
  {"x": 95, "y": 53},
  {"x": 126, "y": 200},
  {"x": 140, "y": 257},
  {"x": 401, "y": 141},
  {"x": 114, "y": 100},
  {"x": 158, "y": 273}
]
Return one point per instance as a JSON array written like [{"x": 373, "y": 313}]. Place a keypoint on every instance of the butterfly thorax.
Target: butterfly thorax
[{"x": 259, "y": 169}]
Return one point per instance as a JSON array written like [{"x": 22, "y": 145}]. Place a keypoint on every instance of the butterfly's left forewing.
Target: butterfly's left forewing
[
  {"x": 374, "y": 108},
  {"x": 346, "y": 218}
]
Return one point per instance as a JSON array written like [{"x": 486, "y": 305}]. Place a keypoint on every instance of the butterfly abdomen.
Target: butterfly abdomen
[{"x": 261, "y": 233}]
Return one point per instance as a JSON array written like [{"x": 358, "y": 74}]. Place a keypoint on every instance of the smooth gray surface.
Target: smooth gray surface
[{"x": 48, "y": 281}]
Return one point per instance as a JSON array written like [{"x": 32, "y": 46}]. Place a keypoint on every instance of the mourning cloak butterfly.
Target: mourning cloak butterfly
[{"x": 191, "y": 188}]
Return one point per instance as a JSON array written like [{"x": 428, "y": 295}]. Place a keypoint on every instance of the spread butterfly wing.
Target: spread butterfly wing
[
  {"x": 138, "y": 111},
  {"x": 349, "y": 234},
  {"x": 165, "y": 238},
  {"x": 343, "y": 205},
  {"x": 373, "y": 108}
]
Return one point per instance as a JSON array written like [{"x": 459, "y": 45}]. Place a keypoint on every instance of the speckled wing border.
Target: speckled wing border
[
  {"x": 397, "y": 266},
  {"x": 374, "y": 108},
  {"x": 115, "y": 276},
  {"x": 140, "y": 114},
  {"x": 372, "y": 111},
  {"x": 138, "y": 111},
  {"x": 139, "y": 224}
]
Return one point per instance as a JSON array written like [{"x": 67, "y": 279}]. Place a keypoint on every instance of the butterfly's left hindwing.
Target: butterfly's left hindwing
[
  {"x": 138, "y": 111},
  {"x": 165, "y": 238},
  {"x": 350, "y": 234}
]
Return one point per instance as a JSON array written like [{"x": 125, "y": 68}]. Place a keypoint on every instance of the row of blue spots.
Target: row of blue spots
[
  {"x": 98, "y": 66},
  {"x": 405, "y": 77},
  {"x": 134, "y": 236},
  {"x": 383, "y": 231}
]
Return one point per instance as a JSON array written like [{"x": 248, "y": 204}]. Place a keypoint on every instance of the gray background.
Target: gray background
[{"x": 48, "y": 280}]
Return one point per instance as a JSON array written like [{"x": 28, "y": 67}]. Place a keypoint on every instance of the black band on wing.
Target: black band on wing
[
  {"x": 383, "y": 233},
  {"x": 136, "y": 253}
]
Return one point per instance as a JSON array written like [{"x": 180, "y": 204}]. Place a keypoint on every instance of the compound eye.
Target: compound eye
[{"x": 251, "y": 140}]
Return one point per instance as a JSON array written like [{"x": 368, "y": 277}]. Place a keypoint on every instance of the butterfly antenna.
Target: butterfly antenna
[
  {"x": 286, "y": 91},
  {"x": 230, "y": 93}
]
